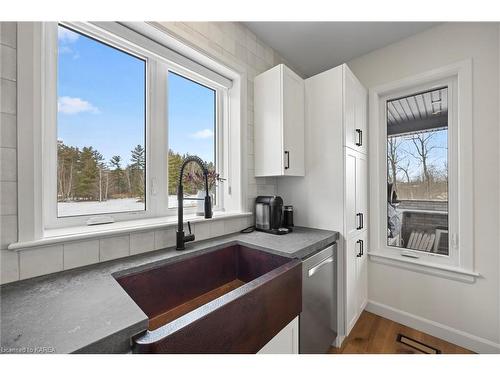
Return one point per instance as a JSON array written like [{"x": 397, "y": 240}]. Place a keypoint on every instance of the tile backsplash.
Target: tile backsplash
[
  {"x": 9, "y": 260},
  {"x": 230, "y": 43}
]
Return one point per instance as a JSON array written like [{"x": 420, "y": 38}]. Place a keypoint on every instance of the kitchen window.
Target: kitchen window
[
  {"x": 105, "y": 106},
  {"x": 421, "y": 168}
]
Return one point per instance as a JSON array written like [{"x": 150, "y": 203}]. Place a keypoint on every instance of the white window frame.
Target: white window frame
[
  {"x": 459, "y": 264},
  {"x": 37, "y": 58}
]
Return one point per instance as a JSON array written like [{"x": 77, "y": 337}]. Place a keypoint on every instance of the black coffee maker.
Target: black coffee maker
[{"x": 269, "y": 214}]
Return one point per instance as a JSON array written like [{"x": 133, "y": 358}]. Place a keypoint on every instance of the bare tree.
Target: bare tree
[
  {"x": 406, "y": 170},
  {"x": 445, "y": 170},
  {"x": 127, "y": 175},
  {"x": 107, "y": 186},
  {"x": 69, "y": 185},
  {"x": 421, "y": 141},
  {"x": 99, "y": 158},
  {"x": 393, "y": 158}
]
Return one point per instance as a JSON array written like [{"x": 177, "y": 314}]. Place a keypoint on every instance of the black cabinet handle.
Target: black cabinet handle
[
  {"x": 362, "y": 247},
  {"x": 287, "y": 154},
  {"x": 360, "y": 137},
  {"x": 360, "y": 253},
  {"x": 360, "y": 221}
]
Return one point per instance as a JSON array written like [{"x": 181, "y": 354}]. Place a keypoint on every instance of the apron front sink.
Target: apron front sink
[{"x": 230, "y": 300}]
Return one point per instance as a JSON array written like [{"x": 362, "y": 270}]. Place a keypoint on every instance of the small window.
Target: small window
[
  {"x": 191, "y": 132},
  {"x": 101, "y": 112},
  {"x": 417, "y": 171}
]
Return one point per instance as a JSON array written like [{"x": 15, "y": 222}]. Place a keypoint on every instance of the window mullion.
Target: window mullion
[
  {"x": 49, "y": 122},
  {"x": 158, "y": 138},
  {"x": 220, "y": 146}
]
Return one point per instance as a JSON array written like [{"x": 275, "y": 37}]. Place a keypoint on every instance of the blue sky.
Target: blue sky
[
  {"x": 191, "y": 116},
  {"x": 437, "y": 157},
  {"x": 101, "y": 102}
]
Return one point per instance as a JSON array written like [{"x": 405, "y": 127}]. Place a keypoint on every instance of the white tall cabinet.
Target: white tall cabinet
[{"x": 333, "y": 194}]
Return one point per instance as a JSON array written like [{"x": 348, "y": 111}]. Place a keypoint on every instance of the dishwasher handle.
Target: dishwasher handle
[{"x": 315, "y": 269}]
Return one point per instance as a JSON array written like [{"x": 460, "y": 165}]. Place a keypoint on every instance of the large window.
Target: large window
[
  {"x": 100, "y": 106},
  {"x": 120, "y": 113},
  {"x": 417, "y": 171},
  {"x": 101, "y": 112},
  {"x": 192, "y": 127}
]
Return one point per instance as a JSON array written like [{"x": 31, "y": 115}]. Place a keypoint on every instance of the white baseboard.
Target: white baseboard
[
  {"x": 338, "y": 341},
  {"x": 455, "y": 336},
  {"x": 349, "y": 328}
]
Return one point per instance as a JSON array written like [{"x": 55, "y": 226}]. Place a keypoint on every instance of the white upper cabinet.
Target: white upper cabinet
[
  {"x": 355, "y": 108},
  {"x": 279, "y": 123}
]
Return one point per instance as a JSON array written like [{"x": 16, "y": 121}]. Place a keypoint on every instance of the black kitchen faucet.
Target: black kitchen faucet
[{"x": 181, "y": 238}]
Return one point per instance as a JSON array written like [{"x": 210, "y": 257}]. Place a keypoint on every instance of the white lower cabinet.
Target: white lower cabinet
[
  {"x": 356, "y": 278},
  {"x": 356, "y": 234},
  {"x": 285, "y": 342}
]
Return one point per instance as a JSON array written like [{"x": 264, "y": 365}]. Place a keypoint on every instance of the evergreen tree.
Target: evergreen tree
[
  {"x": 118, "y": 175},
  {"x": 116, "y": 162},
  {"x": 138, "y": 158},
  {"x": 67, "y": 158},
  {"x": 87, "y": 174},
  {"x": 174, "y": 165},
  {"x": 138, "y": 167}
]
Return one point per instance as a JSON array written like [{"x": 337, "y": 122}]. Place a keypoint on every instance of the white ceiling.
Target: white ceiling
[{"x": 313, "y": 47}]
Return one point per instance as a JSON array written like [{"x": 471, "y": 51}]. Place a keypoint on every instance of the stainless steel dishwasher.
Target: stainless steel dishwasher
[{"x": 318, "y": 320}]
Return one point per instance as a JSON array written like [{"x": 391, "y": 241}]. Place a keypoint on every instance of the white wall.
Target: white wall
[
  {"x": 231, "y": 44},
  {"x": 465, "y": 313}
]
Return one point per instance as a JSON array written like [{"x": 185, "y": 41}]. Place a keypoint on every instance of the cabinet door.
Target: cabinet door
[
  {"x": 285, "y": 342},
  {"x": 350, "y": 193},
  {"x": 349, "y": 110},
  {"x": 355, "y": 116},
  {"x": 362, "y": 272},
  {"x": 361, "y": 192},
  {"x": 268, "y": 132},
  {"x": 361, "y": 127},
  {"x": 351, "y": 280},
  {"x": 356, "y": 278},
  {"x": 293, "y": 123}
]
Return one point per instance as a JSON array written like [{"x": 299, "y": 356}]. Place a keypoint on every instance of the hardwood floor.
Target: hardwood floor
[{"x": 373, "y": 334}]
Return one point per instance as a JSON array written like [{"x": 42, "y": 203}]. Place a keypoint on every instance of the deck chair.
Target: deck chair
[{"x": 421, "y": 241}]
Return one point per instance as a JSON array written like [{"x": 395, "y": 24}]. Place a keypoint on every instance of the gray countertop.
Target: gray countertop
[{"x": 86, "y": 310}]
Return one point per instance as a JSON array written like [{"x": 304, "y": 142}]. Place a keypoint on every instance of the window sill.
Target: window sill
[
  {"x": 54, "y": 236},
  {"x": 452, "y": 273},
  {"x": 416, "y": 210}
]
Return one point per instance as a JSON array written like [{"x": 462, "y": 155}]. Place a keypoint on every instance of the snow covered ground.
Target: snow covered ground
[{"x": 109, "y": 206}]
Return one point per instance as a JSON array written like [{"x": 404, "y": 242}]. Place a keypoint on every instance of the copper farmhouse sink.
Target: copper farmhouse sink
[{"x": 230, "y": 300}]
